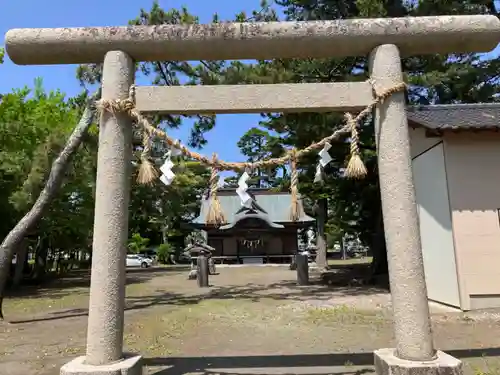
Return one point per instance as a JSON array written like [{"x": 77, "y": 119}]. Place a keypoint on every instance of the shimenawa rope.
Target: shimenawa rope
[{"x": 147, "y": 173}]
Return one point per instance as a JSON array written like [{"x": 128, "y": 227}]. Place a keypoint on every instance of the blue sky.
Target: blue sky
[{"x": 67, "y": 13}]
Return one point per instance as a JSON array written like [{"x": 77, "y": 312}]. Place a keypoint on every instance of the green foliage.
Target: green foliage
[
  {"x": 137, "y": 243},
  {"x": 2, "y": 54},
  {"x": 173, "y": 73},
  {"x": 354, "y": 206},
  {"x": 34, "y": 126},
  {"x": 164, "y": 251},
  {"x": 257, "y": 144},
  {"x": 157, "y": 211}
]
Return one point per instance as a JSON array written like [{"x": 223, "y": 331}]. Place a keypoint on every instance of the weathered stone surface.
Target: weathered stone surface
[
  {"x": 107, "y": 283},
  {"x": 386, "y": 363},
  {"x": 131, "y": 365},
  {"x": 412, "y": 327},
  {"x": 304, "y": 97},
  {"x": 355, "y": 37}
]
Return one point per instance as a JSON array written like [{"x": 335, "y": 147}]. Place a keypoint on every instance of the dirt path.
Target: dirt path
[{"x": 254, "y": 320}]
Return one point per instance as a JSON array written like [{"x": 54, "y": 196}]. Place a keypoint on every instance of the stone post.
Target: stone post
[
  {"x": 412, "y": 326},
  {"x": 302, "y": 262},
  {"x": 107, "y": 287},
  {"x": 202, "y": 271}
]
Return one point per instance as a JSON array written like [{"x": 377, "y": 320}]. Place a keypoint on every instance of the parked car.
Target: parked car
[
  {"x": 150, "y": 254},
  {"x": 134, "y": 260}
]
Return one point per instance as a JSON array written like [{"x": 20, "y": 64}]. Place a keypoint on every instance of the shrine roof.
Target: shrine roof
[
  {"x": 274, "y": 207},
  {"x": 455, "y": 117}
]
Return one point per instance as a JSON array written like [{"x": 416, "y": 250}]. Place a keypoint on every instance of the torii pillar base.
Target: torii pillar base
[
  {"x": 387, "y": 363},
  {"x": 130, "y": 365}
]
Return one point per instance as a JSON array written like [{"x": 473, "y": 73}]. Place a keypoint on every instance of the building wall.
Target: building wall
[
  {"x": 435, "y": 224},
  {"x": 217, "y": 243},
  {"x": 290, "y": 242},
  {"x": 420, "y": 143},
  {"x": 283, "y": 242},
  {"x": 230, "y": 246},
  {"x": 473, "y": 172},
  {"x": 275, "y": 246}
]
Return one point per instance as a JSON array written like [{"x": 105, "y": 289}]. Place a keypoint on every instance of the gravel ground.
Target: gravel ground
[{"x": 253, "y": 320}]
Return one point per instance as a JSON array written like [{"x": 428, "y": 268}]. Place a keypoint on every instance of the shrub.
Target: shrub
[{"x": 164, "y": 251}]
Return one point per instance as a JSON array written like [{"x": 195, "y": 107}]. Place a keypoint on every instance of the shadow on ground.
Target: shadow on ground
[
  {"x": 78, "y": 282},
  {"x": 310, "y": 364},
  {"x": 322, "y": 289}
]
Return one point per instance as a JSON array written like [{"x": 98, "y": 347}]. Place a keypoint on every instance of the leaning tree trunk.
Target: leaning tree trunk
[
  {"x": 322, "y": 213},
  {"x": 15, "y": 237}
]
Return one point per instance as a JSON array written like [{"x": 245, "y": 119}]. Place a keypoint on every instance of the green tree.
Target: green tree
[
  {"x": 158, "y": 211},
  {"x": 257, "y": 144},
  {"x": 34, "y": 159},
  {"x": 165, "y": 250},
  {"x": 173, "y": 73},
  {"x": 353, "y": 206},
  {"x": 137, "y": 243}
]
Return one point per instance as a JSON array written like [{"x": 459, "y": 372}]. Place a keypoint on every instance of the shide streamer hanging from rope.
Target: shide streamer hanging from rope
[{"x": 147, "y": 172}]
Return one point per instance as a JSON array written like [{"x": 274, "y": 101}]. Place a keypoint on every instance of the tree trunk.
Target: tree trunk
[
  {"x": 343, "y": 248},
  {"x": 379, "y": 251},
  {"x": 41, "y": 255},
  {"x": 321, "y": 260},
  {"x": 164, "y": 234},
  {"x": 12, "y": 241},
  {"x": 22, "y": 251}
]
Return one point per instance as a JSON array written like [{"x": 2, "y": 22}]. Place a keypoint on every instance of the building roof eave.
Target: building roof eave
[
  {"x": 455, "y": 117},
  {"x": 262, "y": 217}
]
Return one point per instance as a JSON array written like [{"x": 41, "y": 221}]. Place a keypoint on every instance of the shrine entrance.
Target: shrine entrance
[
  {"x": 254, "y": 243},
  {"x": 251, "y": 252},
  {"x": 384, "y": 40}
]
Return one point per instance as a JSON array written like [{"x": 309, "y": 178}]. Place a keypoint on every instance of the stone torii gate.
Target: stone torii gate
[{"x": 385, "y": 40}]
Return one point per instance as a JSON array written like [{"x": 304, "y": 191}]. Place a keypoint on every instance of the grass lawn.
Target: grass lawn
[
  {"x": 252, "y": 320},
  {"x": 337, "y": 262}
]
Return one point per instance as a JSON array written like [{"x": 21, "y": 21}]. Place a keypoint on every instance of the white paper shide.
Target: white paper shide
[{"x": 246, "y": 199}]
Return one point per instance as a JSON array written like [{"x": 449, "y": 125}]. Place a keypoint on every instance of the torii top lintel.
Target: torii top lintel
[{"x": 265, "y": 40}]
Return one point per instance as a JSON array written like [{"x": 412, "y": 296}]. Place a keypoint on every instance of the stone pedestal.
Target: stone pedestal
[
  {"x": 130, "y": 365},
  {"x": 386, "y": 363}
]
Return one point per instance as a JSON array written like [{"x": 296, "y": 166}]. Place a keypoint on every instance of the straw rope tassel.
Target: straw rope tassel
[
  {"x": 294, "y": 187},
  {"x": 355, "y": 168},
  {"x": 215, "y": 216},
  {"x": 147, "y": 171}
]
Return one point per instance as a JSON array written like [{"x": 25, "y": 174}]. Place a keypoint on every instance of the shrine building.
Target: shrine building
[{"x": 260, "y": 233}]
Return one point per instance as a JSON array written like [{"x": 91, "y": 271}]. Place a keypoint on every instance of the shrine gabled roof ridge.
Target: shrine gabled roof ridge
[
  {"x": 259, "y": 216},
  {"x": 254, "y": 207},
  {"x": 275, "y": 206}
]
